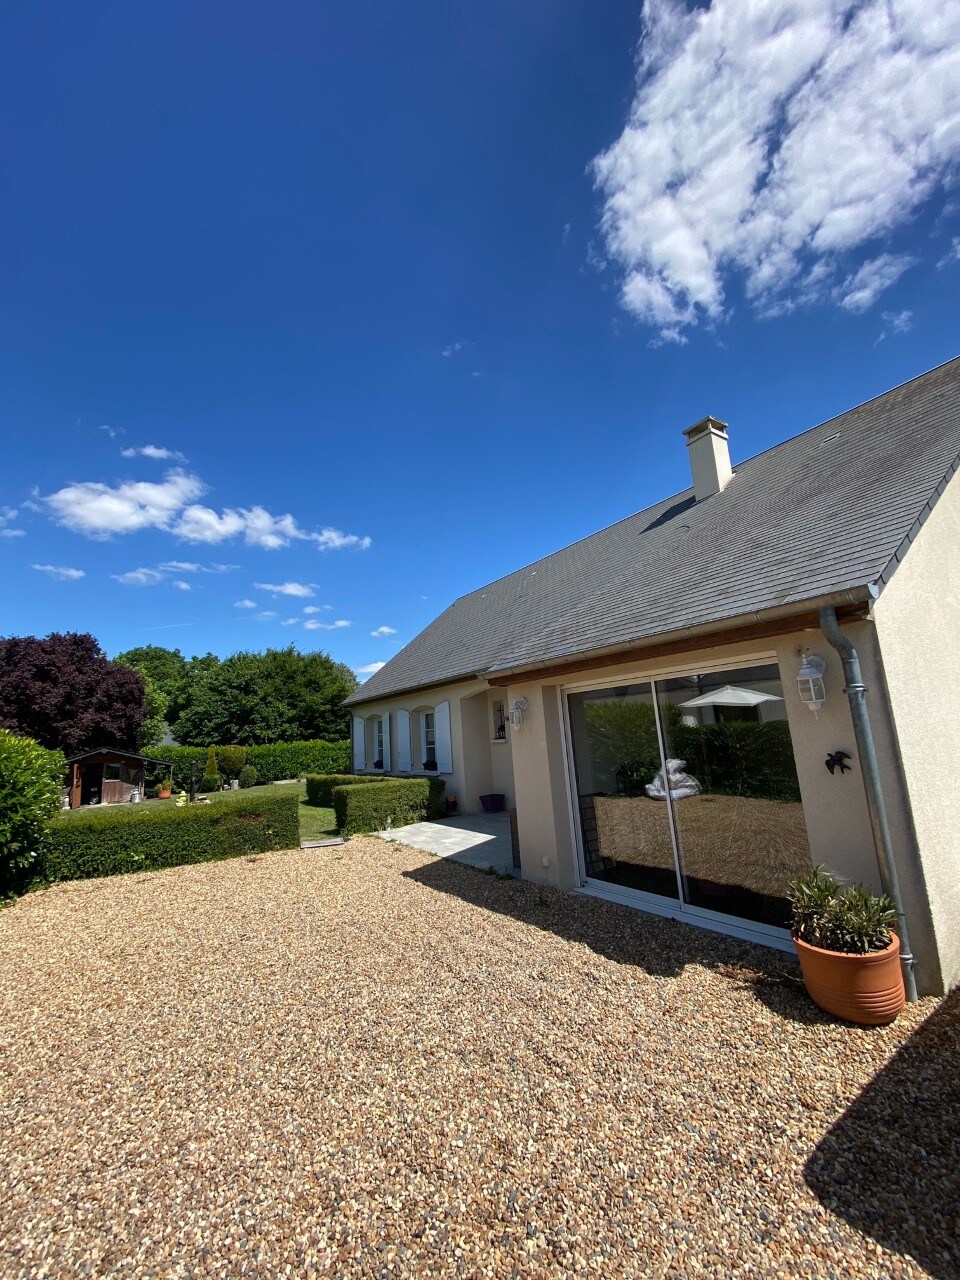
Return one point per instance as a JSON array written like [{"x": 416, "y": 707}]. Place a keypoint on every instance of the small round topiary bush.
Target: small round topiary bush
[
  {"x": 230, "y": 761},
  {"x": 31, "y": 779},
  {"x": 248, "y": 776}
]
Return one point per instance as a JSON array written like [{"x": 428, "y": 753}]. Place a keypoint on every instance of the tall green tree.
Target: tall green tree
[
  {"x": 166, "y": 668},
  {"x": 277, "y": 696}
]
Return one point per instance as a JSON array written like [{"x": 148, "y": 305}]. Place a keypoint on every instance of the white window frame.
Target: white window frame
[{"x": 425, "y": 753}]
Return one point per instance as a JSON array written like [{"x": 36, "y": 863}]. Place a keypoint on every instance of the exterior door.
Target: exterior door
[{"x": 687, "y": 791}]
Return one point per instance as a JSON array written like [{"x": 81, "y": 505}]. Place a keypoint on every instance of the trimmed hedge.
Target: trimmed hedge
[
  {"x": 320, "y": 786},
  {"x": 110, "y": 842},
  {"x": 273, "y": 763},
  {"x": 368, "y": 808}
]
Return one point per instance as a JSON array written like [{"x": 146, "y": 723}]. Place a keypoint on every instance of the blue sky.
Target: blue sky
[{"x": 400, "y": 298}]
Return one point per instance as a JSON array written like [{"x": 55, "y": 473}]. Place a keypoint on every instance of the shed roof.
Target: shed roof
[
  {"x": 830, "y": 510},
  {"x": 116, "y": 751}
]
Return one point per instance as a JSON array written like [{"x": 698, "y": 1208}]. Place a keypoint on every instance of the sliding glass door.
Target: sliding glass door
[
  {"x": 626, "y": 840},
  {"x": 687, "y": 790}
]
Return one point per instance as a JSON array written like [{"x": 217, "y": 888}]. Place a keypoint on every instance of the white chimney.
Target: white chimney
[{"x": 709, "y": 457}]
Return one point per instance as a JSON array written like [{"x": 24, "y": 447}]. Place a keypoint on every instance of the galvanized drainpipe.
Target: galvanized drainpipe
[{"x": 856, "y": 692}]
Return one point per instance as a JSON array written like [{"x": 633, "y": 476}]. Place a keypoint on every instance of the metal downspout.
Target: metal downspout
[{"x": 856, "y": 692}]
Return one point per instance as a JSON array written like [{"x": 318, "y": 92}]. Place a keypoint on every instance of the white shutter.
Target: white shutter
[
  {"x": 403, "y": 741},
  {"x": 441, "y": 720},
  {"x": 386, "y": 742},
  {"x": 359, "y": 744}
]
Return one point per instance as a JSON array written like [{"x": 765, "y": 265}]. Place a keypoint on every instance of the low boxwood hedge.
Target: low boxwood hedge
[
  {"x": 320, "y": 786},
  {"x": 370, "y": 807},
  {"x": 111, "y": 841},
  {"x": 273, "y": 763}
]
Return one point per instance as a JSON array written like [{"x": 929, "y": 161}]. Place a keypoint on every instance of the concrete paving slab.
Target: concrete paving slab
[{"x": 480, "y": 840}]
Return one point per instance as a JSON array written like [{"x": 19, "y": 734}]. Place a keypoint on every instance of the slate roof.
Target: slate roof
[{"x": 829, "y": 510}]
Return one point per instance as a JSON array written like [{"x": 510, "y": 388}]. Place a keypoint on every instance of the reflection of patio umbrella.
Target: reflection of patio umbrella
[{"x": 731, "y": 696}]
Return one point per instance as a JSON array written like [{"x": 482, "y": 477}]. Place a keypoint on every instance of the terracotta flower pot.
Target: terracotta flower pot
[
  {"x": 866, "y": 989},
  {"x": 163, "y": 793}
]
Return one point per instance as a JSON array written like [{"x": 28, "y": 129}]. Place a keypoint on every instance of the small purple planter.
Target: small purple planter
[{"x": 493, "y": 803}]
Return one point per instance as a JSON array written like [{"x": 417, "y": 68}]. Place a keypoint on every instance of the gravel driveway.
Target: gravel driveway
[{"x": 360, "y": 1061}]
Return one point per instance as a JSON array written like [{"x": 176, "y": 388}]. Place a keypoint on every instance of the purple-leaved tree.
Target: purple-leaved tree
[{"x": 63, "y": 691}]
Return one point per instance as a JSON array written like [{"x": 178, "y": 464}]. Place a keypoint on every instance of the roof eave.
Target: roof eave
[{"x": 706, "y": 631}]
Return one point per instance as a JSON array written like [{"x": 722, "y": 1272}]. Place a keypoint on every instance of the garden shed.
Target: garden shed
[{"x": 107, "y": 775}]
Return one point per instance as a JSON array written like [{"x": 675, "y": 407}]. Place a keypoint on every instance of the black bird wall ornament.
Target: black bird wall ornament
[{"x": 838, "y": 760}]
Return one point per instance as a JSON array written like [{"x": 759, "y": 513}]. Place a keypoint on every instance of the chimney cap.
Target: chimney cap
[{"x": 705, "y": 425}]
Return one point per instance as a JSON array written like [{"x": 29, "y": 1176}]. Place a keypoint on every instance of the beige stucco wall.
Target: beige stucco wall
[
  {"x": 479, "y": 765},
  {"x": 452, "y": 693},
  {"x": 835, "y": 810},
  {"x": 917, "y": 626}
]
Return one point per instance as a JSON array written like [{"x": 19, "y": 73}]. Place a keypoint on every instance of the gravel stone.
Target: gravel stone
[{"x": 360, "y": 1061}]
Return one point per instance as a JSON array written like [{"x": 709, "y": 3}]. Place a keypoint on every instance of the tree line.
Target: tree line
[{"x": 65, "y": 692}]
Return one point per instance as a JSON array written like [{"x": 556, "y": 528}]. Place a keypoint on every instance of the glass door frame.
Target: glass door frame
[{"x": 638, "y": 899}]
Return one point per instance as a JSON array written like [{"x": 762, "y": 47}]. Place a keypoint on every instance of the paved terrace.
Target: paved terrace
[
  {"x": 361, "y": 1062},
  {"x": 481, "y": 840}
]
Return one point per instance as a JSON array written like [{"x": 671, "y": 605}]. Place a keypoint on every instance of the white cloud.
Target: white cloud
[
  {"x": 181, "y": 566},
  {"x": 290, "y": 622},
  {"x": 112, "y": 432},
  {"x": 775, "y": 141},
  {"x": 244, "y": 604},
  {"x": 315, "y": 608},
  {"x": 895, "y": 322},
  {"x": 101, "y": 510},
  {"x": 384, "y": 631},
  {"x": 862, "y": 287},
  {"x": 181, "y": 585},
  {"x": 313, "y": 624},
  {"x": 265, "y": 614},
  {"x": 335, "y": 540},
  {"x": 139, "y": 577},
  {"x": 154, "y": 451},
  {"x": 61, "y": 572},
  {"x": 451, "y": 350},
  {"x": 302, "y": 589},
  {"x": 7, "y": 514},
  {"x": 949, "y": 258},
  {"x": 370, "y": 669}
]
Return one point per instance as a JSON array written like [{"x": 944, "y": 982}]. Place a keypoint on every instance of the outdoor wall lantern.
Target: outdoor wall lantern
[
  {"x": 516, "y": 711},
  {"x": 813, "y": 693}
]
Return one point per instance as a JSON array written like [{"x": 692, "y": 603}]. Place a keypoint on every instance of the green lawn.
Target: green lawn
[{"x": 315, "y": 823}]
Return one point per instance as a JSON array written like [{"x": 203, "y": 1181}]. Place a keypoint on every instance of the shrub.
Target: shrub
[
  {"x": 248, "y": 776},
  {"x": 230, "y": 760},
  {"x": 272, "y": 763},
  {"x": 107, "y": 842},
  {"x": 210, "y": 782},
  {"x": 210, "y": 769},
  {"x": 320, "y": 786},
  {"x": 31, "y": 779},
  {"x": 850, "y": 919},
  {"x": 370, "y": 807}
]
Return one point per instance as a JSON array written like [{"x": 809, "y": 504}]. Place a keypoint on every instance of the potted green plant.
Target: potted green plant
[{"x": 848, "y": 951}]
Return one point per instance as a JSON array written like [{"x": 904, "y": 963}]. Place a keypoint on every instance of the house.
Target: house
[
  {"x": 108, "y": 776},
  {"x": 718, "y": 639}
]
